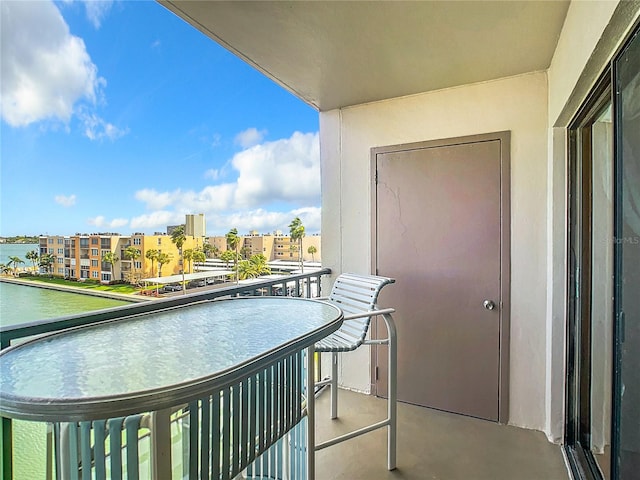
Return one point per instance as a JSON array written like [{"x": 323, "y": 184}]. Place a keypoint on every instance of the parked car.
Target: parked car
[
  {"x": 172, "y": 288},
  {"x": 196, "y": 284}
]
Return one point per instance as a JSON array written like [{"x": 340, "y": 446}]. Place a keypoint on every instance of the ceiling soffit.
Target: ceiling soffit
[{"x": 336, "y": 54}]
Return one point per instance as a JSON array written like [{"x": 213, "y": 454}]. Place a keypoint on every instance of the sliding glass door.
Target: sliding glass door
[
  {"x": 602, "y": 434},
  {"x": 626, "y": 435},
  {"x": 591, "y": 322}
]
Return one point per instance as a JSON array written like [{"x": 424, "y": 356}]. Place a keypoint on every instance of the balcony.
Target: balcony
[{"x": 431, "y": 444}]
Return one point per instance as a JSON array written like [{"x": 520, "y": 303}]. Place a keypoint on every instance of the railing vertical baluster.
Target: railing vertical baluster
[
  {"x": 235, "y": 435},
  {"x": 193, "y": 440},
  {"x": 72, "y": 432},
  {"x": 205, "y": 436},
  {"x": 7, "y": 446},
  {"x": 132, "y": 426},
  {"x": 243, "y": 440},
  {"x": 85, "y": 449},
  {"x": 282, "y": 396},
  {"x": 215, "y": 436},
  {"x": 99, "y": 437},
  {"x": 310, "y": 395},
  {"x": 226, "y": 440},
  {"x": 253, "y": 408},
  {"x": 262, "y": 412},
  {"x": 115, "y": 447},
  {"x": 269, "y": 405},
  {"x": 161, "y": 444}
]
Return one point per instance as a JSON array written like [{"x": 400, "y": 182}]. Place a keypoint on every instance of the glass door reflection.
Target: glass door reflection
[{"x": 601, "y": 321}]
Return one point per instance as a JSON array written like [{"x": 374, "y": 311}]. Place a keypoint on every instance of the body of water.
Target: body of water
[
  {"x": 17, "y": 250},
  {"x": 20, "y": 304}
]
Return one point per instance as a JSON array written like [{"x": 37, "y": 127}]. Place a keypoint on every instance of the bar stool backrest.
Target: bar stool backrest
[{"x": 355, "y": 295}]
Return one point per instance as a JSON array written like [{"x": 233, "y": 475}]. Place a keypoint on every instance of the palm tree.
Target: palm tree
[
  {"x": 162, "y": 258},
  {"x": 33, "y": 256},
  {"x": 46, "y": 260},
  {"x": 152, "y": 254},
  {"x": 199, "y": 256},
  {"x": 246, "y": 270},
  {"x": 132, "y": 253},
  {"x": 207, "y": 248},
  {"x": 4, "y": 268},
  {"x": 311, "y": 251},
  {"x": 178, "y": 238},
  {"x": 296, "y": 232},
  {"x": 245, "y": 253},
  {"x": 227, "y": 256},
  {"x": 15, "y": 261},
  {"x": 233, "y": 241},
  {"x": 188, "y": 256},
  {"x": 215, "y": 251},
  {"x": 259, "y": 262},
  {"x": 111, "y": 259}
]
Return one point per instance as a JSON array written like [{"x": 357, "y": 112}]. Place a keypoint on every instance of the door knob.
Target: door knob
[{"x": 488, "y": 304}]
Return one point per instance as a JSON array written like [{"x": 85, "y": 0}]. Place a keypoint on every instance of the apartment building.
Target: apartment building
[
  {"x": 162, "y": 243},
  {"x": 275, "y": 246},
  {"x": 195, "y": 225},
  {"x": 81, "y": 256}
]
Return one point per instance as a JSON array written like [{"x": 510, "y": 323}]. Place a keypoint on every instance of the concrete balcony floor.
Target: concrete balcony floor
[{"x": 432, "y": 445}]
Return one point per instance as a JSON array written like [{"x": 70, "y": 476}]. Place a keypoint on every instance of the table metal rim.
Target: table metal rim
[{"x": 94, "y": 408}]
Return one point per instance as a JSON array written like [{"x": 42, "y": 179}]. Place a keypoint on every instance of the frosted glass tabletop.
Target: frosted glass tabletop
[{"x": 151, "y": 360}]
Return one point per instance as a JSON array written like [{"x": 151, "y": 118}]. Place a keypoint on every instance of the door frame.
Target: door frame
[
  {"x": 504, "y": 137},
  {"x": 577, "y": 417}
]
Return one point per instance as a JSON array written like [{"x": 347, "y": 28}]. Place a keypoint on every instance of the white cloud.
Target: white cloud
[
  {"x": 154, "y": 199},
  {"x": 101, "y": 221},
  {"x": 97, "y": 10},
  {"x": 45, "y": 69},
  {"x": 212, "y": 173},
  {"x": 98, "y": 221},
  {"x": 118, "y": 222},
  {"x": 265, "y": 221},
  {"x": 250, "y": 137},
  {"x": 95, "y": 128},
  {"x": 46, "y": 72},
  {"x": 285, "y": 171},
  {"x": 157, "y": 219},
  {"x": 65, "y": 201}
]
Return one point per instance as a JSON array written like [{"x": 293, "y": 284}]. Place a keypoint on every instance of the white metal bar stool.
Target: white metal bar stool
[{"x": 357, "y": 296}]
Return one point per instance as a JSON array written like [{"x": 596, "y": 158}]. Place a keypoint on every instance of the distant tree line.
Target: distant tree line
[{"x": 20, "y": 239}]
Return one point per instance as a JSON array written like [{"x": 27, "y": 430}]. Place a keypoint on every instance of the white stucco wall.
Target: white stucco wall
[
  {"x": 518, "y": 104},
  {"x": 582, "y": 29}
]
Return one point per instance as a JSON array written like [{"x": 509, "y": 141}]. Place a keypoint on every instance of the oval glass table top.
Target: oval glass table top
[{"x": 155, "y": 360}]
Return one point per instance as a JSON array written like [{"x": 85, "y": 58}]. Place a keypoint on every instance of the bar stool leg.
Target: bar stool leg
[
  {"x": 334, "y": 385},
  {"x": 393, "y": 394}
]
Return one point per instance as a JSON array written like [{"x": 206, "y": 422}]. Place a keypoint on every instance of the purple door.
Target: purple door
[{"x": 442, "y": 231}]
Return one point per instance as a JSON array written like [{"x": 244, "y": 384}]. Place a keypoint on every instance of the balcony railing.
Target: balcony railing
[{"x": 306, "y": 285}]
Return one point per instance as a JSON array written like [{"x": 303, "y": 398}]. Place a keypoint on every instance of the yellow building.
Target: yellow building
[{"x": 162, "y": 244}]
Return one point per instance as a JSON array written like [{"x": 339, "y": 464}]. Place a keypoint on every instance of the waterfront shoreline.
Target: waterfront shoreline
[{"x": 82, "y": 291}]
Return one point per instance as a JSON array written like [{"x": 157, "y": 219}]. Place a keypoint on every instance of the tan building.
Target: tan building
[
  {"x": 195, "y": 225},
  {"x": 276, "y": 246}
]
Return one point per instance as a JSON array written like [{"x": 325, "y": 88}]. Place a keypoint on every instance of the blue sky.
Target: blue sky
[{"x": 121, "y": 117}]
